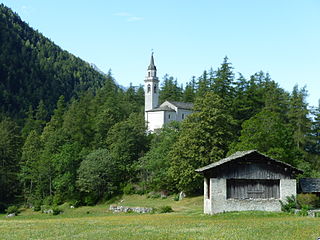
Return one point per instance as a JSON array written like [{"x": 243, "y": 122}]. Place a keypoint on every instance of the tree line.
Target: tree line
[{"x": 91, "y": 145}]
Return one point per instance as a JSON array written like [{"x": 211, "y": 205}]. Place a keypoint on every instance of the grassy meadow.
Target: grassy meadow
[{"x": 186, "y": 222}]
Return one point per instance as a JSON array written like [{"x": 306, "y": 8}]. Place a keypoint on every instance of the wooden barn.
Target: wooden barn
[{"x": 247, "y": 181}]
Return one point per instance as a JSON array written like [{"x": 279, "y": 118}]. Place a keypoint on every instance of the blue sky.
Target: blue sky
[{"x": 281, "y": 37}]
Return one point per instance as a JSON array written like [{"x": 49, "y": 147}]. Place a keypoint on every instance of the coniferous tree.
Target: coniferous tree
[
  {"x": 205, "y": 137},
  {"x": 170, "y": 90},
  {"x": 29, "y": 165},
  {"x": 223, "y": 82},
  {"x": 189, "y": 93},
  {"x": 298, "y": 116},
  {"x": 10, "y": 150},
  {"x": 154, "y": 166}
]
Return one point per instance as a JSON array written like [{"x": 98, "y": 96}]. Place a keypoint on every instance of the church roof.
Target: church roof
[
  {"x": 182, "y": 105},
  {"x": 161, "y": 108},
  {"x": 241, "y": 154},
  {"x": 152, "y": 66}
]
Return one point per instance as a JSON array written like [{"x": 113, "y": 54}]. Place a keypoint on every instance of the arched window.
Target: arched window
[
  {"x": 149, "y": 74},
  {"x": 155, "y": 88},
  {"x": 148, "y": 88}
]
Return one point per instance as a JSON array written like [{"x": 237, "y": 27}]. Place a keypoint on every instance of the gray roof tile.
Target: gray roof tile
[
  {"x": 310, "y": 185},
  {"x": 238, "y": 155}
]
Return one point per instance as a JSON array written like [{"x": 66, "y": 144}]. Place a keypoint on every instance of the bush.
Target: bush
[
  {"x": 304, "y": 210},
  {"x": 90, "y": 200},
  {"x": 307, "y": 199},
  {"x": 37, "y": 205},
  {"x": 56, "y": 211},
  {"x": 48, "y": 201},
  {"x": 176, "y": 197},
  {"x": 128, "y": 189},
  {"x": 57, "y": 199},
  {"x": 289, "y": 205},
  {"x": 13, "y": 209},
  {"x": 75, "y": 203},
  {"x": 165, "y": 209}
]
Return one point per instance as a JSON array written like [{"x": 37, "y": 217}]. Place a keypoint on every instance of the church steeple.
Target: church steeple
[
  {"x": 151, "y": 84},
  {"x": 152, "y": 66}
]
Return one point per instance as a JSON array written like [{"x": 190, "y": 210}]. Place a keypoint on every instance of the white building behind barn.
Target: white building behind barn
[
  {"x": 247, "y": 181},
  {"x": 156, "y": 116}
]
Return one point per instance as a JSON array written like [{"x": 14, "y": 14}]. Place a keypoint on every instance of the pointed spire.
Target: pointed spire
[{"x": 152, "y": 66}]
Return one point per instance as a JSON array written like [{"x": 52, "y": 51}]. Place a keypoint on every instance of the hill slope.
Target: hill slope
[{"x": 33, "y": 68}]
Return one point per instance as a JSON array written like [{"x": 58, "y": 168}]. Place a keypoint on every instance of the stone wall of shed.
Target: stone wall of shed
[{"x": 218, "y": 201}]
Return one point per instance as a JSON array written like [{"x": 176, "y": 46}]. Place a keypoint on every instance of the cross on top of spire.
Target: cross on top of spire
[{"x": 152, "y": 66}]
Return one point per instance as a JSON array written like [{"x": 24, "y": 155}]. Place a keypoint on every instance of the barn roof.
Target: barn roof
[
  {"x": 310, "y": 185},
  {"x": 241, "y": 154}
]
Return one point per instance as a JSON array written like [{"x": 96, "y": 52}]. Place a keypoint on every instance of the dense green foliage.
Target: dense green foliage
[
  {"x": 73, "y": 134},
  {"x": 33, "y": 68}
]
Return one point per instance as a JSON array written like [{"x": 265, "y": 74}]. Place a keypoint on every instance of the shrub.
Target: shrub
[
  {"x": 56, "y": 211},
  {"x": 90, "y": 200},
  {"x": 12, "y": 209},
  {"x": 289, "y": 205},
  {"x": 176, "y": 197},
  {"x": 165, "y": 209},
  {"x": 57, "y": 199},
  {"x": 48, "y": 201},
  {"x": 128, "y": 189},
  {"x": 308, "y": 199},
  {"x": 37, "y": 205},
  {"x": 75, "y": 203},
  {"x": 304, "y": 210}
]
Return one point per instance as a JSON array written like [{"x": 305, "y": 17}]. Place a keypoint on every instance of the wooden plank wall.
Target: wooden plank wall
[
  {"x": 255, "y": 189},
  {"x": 250, "y": 171}
]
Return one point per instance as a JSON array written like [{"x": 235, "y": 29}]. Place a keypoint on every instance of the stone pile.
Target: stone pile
[{"x": 125, "y": 209}]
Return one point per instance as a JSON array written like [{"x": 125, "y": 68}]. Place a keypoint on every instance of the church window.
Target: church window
[
  {"x": 149, "y": 74},
  {"x": 169, "y": 116},
  {"x": 155, "y": 88},
  {"x": 148, "y": 88},
  {"x": 182, "y": 115}
]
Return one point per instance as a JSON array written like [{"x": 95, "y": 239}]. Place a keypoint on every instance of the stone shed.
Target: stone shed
[{"x": 247, "y": 181}]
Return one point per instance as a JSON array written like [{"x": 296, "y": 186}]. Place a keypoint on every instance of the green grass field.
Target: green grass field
[{"x": 187, "y": 222}]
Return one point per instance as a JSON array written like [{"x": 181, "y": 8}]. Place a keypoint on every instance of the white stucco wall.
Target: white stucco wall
[
  {"x": 154, "y": 120},
  {"x": 170, "y": 116},
  {"x": 288, "y": 187},
  {"x": 182, "y": 114},
  {"x": 152, "y": 97},
  {"x": 218, "y": 201}
]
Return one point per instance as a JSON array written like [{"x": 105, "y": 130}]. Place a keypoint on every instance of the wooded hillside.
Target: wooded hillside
[
  {"x": 95, "y": 146},
  {"x": 33, "y": 68}
]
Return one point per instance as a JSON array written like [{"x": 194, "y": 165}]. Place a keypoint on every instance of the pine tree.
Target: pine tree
[
  {"x": 10, "y": 150},
  {"x": 190, "y": 90},
  {"x": 29, "y": 164},
  {"x": 170, "y": 90},
  {"x": 205, "y": 137},
  {"x": 223, "y": 82},
  {"x": 298, "y": 116}
]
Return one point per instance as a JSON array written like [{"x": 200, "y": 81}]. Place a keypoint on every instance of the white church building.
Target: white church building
[{"x": 157, "y": 115}]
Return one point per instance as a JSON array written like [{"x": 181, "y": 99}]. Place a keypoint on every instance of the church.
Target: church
[{"x": 157, "y": 115}]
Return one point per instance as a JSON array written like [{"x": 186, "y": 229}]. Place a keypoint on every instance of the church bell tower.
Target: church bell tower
[{"x": 151, "y": 87}]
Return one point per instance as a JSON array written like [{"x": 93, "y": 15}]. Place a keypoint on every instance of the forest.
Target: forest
[{"x": 70, "y": 133}]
